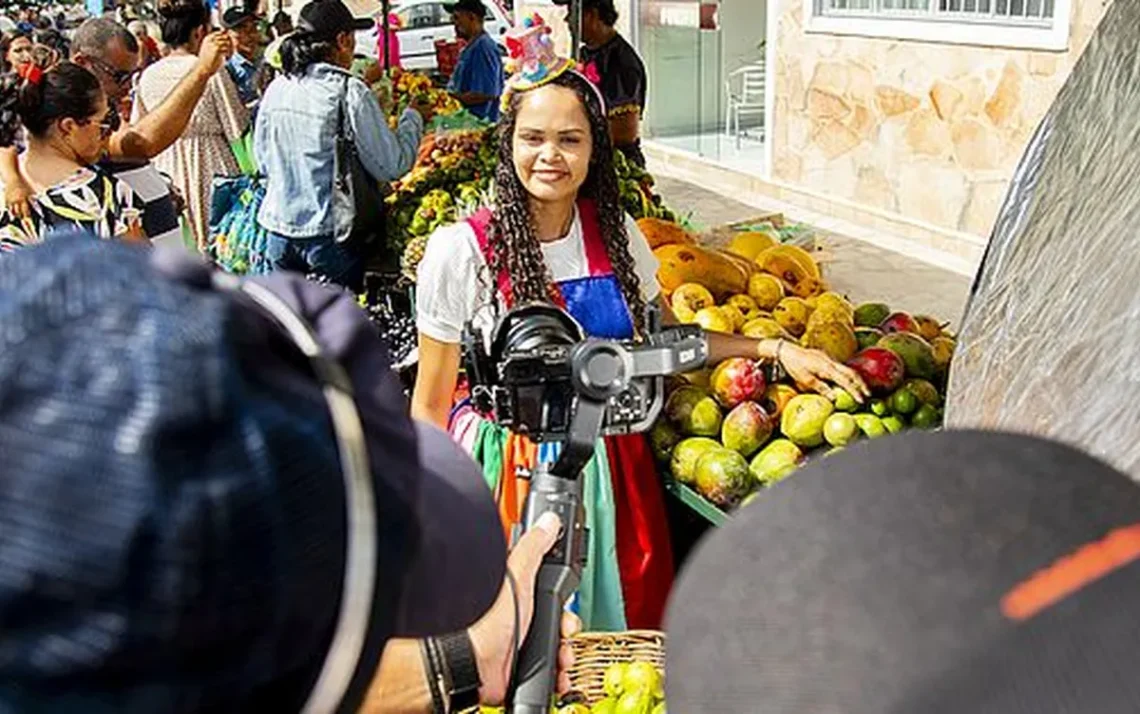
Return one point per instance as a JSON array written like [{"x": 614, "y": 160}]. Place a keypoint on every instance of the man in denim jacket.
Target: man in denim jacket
[{"x": 295, "y": 138}]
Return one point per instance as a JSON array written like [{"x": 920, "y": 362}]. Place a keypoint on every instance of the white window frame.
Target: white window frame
[{"x": 949, "y": 30}]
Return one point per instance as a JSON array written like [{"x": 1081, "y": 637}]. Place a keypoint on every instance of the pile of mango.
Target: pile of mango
[{"x": 741, "y": 426}]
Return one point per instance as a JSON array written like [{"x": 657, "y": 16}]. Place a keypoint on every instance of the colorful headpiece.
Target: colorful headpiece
[{"x": 533, "y": 61}]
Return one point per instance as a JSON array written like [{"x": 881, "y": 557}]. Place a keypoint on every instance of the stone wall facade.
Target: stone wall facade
[{"x": 932, "y": 132}]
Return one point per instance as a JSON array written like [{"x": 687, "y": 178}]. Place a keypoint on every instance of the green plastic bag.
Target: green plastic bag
[{"x": 243, "y": 152}]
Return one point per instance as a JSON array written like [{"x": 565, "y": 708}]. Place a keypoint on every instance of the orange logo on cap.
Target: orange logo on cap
[{"x": 1069, "y": 574}]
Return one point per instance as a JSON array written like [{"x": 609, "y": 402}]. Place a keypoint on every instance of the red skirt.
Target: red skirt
[{"x": 645, "y": 553}]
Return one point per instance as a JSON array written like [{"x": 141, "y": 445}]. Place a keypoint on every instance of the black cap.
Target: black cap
[
  {"x": 938, "y": 572},
  {"x": 330, "y": 17},
  {"x": 237, "y": 15},
  {"x": 171, "y": 490},
  {"x": 472, "y": 6}
]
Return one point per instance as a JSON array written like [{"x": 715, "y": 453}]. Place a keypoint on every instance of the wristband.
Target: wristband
[
  {"x": 458, "y": 656},
  {"x": 434, "y": 675}
]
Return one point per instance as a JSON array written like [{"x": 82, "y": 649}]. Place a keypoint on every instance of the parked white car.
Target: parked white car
[{"x": 424, "y": 22}]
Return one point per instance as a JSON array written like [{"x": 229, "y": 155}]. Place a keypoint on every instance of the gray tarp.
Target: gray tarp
[{"x": 1051, "y": 338}]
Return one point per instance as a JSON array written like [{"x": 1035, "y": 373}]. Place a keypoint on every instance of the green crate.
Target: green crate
[{"x": 697, "y": 502}]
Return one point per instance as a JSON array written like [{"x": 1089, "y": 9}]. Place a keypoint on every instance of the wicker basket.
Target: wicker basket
[{"x": 594, "y": 652}]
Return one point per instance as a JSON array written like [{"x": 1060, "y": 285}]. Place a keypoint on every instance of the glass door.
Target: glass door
[{"x": 705, "y": 62}]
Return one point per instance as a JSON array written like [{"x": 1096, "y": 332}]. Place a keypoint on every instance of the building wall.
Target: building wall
[{"x": 929, "y": 131}]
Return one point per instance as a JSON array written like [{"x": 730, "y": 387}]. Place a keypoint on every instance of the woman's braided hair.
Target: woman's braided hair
[{"x": 514, "y": 243}]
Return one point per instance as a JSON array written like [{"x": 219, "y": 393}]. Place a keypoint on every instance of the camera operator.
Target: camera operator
[{"x": 184, "y": 518}]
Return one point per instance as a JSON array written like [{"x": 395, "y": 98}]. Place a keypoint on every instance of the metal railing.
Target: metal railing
[{"x": 1018, "y": 13}]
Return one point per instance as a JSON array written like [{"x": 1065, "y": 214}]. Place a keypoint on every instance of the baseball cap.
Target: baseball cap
[
  {"x": 236, "y": 15},
  {"x": 933, "y": 572},
  {"x": 173, "y": 519},
  {"x": 330, "y": 17},
  {"x": 473, "y": 6}
]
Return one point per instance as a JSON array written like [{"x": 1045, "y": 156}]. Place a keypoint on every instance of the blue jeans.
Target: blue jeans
[{"x": 322, "y": 257}]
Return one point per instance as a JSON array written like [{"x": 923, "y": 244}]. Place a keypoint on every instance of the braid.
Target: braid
[
  {"x": 514, "y": 244},
  {"x": 602, "y": 186}
]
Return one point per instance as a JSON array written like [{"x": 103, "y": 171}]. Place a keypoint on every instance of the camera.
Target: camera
[
  {"x": 539, "y": 367},
  {"x": 541, "y": 376}
]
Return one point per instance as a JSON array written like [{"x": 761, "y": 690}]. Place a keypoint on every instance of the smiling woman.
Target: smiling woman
[{"x": 558, "y": 234}]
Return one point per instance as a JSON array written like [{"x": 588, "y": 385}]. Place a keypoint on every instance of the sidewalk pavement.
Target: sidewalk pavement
[{"x": 861, "y": 271}]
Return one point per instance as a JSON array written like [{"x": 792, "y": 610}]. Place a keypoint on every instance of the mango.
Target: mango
[
  {"x": 929, "y": 328},
  {"x": 775, "y": 461},
  {"x": 943, "y": 353},
  {"x": 767, "y": 290},
  {"x": 714, "y": 319},
  {"x": 722, "y": 477},
  {"x": 688, "y": 299},
  {"x": 764, "y": 328},
  {"x": 834, "y": 301},
  {"x": 683, "y": 463},
  {"x": 828, "y": 313},
  {"x": 927, "y": 417},
  {"x": 926, "y": 392},
  {"x": 915, "y": 352},
  {"x": 776, "y": 398},
  {"x": 868, "y": 336},
  {"x": 734, "y": 315},
  {"x": 837, "y": 339},
  {"x": 746, "y": 305},
  {"x": 750, "y": 244},
  {"x": 663, "y": 438},
  {"x": 746, "y": 428},
  {"x": 792, "y": 314},
  {"x": 803, "y": 419},
  {"x": 737, "y": 380},
  {"x": 871, "y": 314}
]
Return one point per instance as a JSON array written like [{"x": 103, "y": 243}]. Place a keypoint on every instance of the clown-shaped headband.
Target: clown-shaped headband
[{"x": 534, "y": 63}]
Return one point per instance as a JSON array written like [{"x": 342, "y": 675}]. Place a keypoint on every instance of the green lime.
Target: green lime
[
  {"x": 903, "y": 401},
  {"x": 844, "y": 402},
  {"x": 927, "y": 417},
  {"x": 893, "y": 424},
  {"x": 871, "y": 425},
  {"x": 879, "y": 408},
  {"x": 840, "y": 429}
]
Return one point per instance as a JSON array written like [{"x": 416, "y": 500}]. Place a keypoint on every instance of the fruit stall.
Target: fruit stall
[{"x": 732, "y": 430}]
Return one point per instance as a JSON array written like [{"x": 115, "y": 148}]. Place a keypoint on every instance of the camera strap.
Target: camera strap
[{"x": 358, "y": 589}]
